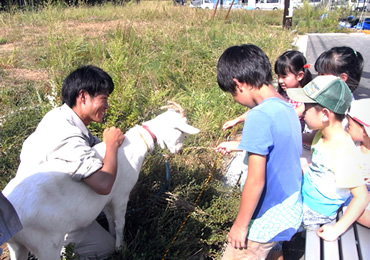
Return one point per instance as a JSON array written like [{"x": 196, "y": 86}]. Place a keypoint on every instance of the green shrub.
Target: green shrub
[{"x": 318, "y": 19}]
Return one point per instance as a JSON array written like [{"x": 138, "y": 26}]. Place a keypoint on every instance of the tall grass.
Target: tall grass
[
  {"x": 319, "y": 19},
  {"x": 154, "y": 52}
]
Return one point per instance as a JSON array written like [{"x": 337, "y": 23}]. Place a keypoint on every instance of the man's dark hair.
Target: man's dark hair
[
  {"x": 247, "y": 63},
  {"x": 90, "y": 78}
]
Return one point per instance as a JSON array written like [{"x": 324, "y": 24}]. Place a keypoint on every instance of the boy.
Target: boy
[
  {"x": 334, "y": 172},
  {"x": 270, "y": 208}
]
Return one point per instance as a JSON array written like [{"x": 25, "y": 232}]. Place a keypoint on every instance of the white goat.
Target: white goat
[{"x": 51, "y": 204}]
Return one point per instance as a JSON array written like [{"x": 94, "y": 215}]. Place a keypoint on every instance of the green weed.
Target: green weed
[{"x": 154, "y": 52}]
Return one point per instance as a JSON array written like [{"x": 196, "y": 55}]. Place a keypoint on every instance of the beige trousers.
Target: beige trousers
[{"x": 92, "y": 242}]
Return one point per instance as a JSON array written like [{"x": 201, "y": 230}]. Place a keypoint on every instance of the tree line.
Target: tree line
[{"x": 7, "y": 5}]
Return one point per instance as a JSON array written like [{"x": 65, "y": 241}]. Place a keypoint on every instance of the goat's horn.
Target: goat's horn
[{"x": 176, "y": 107}]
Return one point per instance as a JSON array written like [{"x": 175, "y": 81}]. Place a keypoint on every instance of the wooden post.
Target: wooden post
[
  {"x": 228, "y": 12},
  {"x": 287, "y": 20},
  {"x": 214, "y": 12}
]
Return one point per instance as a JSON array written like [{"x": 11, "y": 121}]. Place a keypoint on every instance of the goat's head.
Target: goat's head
[{"x": 170, "y": 127}]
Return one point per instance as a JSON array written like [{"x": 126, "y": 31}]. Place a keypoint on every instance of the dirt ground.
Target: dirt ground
[{"x": 11, "y": 73}]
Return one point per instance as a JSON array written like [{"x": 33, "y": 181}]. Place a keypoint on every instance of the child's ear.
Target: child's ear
[
  {"x": 325, "y": 115},
  {"x": 238, "y": 85},
  {"x": 300, "y": 75},
  {"x": 343, "y": 76}
]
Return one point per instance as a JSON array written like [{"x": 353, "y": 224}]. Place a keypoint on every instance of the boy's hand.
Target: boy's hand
[
  {"x": 328, "y": 233},
  {"x": 237, "y": 236},
  {"x": 113, "y": 136},
  {"x": 230, "y": 124},
  {"x": 227, "y": 147}
]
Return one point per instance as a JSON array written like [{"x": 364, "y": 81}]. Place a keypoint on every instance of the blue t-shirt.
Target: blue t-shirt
[{"x": 272, "y": 128}]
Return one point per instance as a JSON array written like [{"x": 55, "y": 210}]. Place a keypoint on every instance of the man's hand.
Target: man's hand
[{"x": 113, "y": 137}]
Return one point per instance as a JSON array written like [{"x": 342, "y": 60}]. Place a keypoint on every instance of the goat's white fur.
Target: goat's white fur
[{"x": 51, "y": 204}]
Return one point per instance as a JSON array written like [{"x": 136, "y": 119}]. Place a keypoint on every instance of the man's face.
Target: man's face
[{"x": 95, "y": 108}]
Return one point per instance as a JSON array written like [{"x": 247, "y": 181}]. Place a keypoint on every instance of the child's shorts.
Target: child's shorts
[
  {"x": 312, "y": 219},
  {"x": 254, "y": 250}
]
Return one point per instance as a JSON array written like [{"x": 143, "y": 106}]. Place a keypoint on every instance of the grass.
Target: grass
[{"x": 154, "y": 52}]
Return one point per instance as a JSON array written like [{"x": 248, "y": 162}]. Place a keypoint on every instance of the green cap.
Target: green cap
[{"x": 327, "y": 90}]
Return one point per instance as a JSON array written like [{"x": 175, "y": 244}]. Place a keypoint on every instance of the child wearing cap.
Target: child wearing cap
[
  {"x": 359, "y": 129},
  {"x": 334, "y": 173}
]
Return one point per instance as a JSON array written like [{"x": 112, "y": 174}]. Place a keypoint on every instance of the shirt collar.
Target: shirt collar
[{"x": 74, "y": 119}]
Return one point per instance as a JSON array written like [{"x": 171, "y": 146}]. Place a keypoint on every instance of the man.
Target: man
[{"x": 63, "y": 143}]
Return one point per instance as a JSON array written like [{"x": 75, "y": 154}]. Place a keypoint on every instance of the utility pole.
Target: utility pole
[{"x": 287, "y": 18}]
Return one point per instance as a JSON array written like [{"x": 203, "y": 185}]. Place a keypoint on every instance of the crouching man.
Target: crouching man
[{"x": 63, "y": 141}]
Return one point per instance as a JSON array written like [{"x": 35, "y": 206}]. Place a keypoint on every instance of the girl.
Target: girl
[
  {"x": 343, "y": 62},
  {"x": 292, "y": 72}
]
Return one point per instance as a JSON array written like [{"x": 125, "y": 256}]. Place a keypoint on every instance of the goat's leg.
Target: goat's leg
[
  {"x": 119, "y": 232},
  {"x": 17, "y": 251},
  {"x": 119, "y": 217},
  {"x": 108, "y": 211}
]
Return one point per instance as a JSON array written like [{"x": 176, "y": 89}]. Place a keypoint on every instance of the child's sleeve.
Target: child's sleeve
[
  {"x": 348, "y": 171},
  {"x": 256, "y": 137}
]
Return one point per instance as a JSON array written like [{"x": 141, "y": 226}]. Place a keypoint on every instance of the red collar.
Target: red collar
[{"x": 151, "y": 134}]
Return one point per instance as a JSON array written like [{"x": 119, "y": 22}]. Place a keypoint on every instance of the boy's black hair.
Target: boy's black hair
[
  {"x": 90, "y": 78},
  {"x": 292, "y": 62},
  {"x": 247, "y": 63},
  {"x": 339, "y": 60}
]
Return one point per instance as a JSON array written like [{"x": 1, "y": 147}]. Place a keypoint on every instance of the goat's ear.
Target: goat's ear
[
  {"x": 188, "y": 129},
  {"x": 161, "y": 143}
]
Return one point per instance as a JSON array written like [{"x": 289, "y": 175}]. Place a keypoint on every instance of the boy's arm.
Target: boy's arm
[
  {"x": 235, "y": 121},
  {"x": 355, "y": 209},
  {"x": 250, "y": 197},
  {"x": 228, "y": 147}
]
